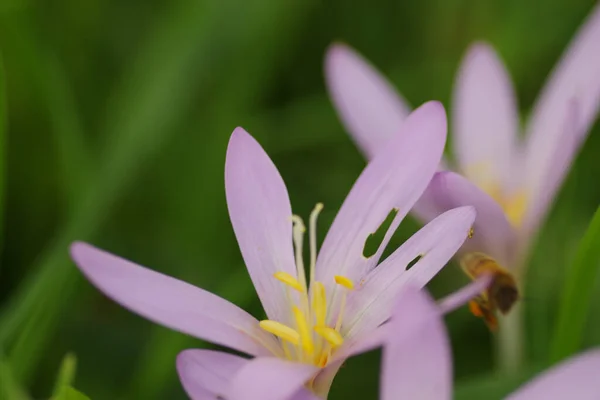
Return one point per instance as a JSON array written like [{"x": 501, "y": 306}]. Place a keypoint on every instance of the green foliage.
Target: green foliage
[
  {"x": 577, "y": 294},
  {"x": 9, "y": 388},
  {"x": 66, "y": 374},
  {"x": 3, "y": 126},
  {"x": 68, "y": 393}
]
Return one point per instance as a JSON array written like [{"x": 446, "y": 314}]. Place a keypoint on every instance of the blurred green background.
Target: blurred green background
[{"x": 117, "y": 117}]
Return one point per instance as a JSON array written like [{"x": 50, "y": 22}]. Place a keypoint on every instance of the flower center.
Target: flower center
[
  {"x": 311, "y": 339},
  {"x": 514, "y": 205}
]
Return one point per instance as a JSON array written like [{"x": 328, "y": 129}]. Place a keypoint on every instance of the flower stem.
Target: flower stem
[{"x": 510, "y": 342}]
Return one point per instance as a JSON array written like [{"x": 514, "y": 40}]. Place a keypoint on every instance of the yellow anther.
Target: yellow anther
[
  {"x": 471, "y": 233},
  {"x": 289, "y": 280},
  {"x": 331, "y": 335},
  {"x": 280, "y": 330},
  {"x": 319, "y": 303},
  {"x": 345, "y": 282},
  {"x": 303, "y": 329}
]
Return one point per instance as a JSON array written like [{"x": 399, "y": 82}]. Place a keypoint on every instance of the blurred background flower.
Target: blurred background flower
[{"x": 118, "y": 115}]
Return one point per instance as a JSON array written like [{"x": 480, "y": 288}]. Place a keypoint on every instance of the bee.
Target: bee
[{"x": 501, "y": 294}]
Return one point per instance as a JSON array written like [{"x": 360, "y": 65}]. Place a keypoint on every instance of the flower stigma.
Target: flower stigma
[{"x": 310, "y": 339}]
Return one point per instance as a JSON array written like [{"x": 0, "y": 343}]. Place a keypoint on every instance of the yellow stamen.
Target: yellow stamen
[
  {"x": 288, "y": 280},
  {"x": 319, "y": 303},
  {"x": 471, "y": 233},
  {"x": 343, "y": 281},
  {"x": 331, "y": 335},
  {"x": 303, "y": 329},
  {"x": 280, "y": 330}
]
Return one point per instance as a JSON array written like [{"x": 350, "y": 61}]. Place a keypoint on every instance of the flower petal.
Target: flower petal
[
  {"x": 464, "y": 294},
  {"x": 304, "y": 395},
  {"x": 416, "y": 360},
  {"x": 493, "y": 234},
  {"x": 171, "y": 302},
  {"x": 485, "y": 119},
  {"x": 396, "y": 178},
  {"x": 576, "y": 78},
  {"x": 260, "y": 212},
  {"x": 267, "y": 378},
  {"x": 207, "y": 374},
  {"x": 575, "y": 378},
  {"x": 368, "y": 105},
  {"x": 541, "y": 192},
  {"x": 371, "y": 304}
]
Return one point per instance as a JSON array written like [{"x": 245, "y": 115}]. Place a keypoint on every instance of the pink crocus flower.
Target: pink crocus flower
[
  {"x": 240, "y": 378},
  {"x": 315, "y": 320},
  {"x": 510, "y": 181},
  {"x": 416, "y": 364}
]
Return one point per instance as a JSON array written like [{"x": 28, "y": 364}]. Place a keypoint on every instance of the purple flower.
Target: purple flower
[
  {"x": 208, "y": 374},
  {"x": 416, "y": 364},
  {"x": 510, "y": 181},
  {"x": 315, "y": 320}
]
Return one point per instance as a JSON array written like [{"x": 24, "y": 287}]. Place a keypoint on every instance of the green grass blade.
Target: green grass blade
[
  {"x": 577, "y": 293},
  {"x": 66, "y": 375},
  {"x": 9, "y": 389},
  {"x": 71, "y": 394},
  {"x": 3, "y": 127},
  {"x": 49, "y": 78}
]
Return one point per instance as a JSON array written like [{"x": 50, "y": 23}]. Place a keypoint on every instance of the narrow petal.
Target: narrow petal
[
  {"x": 416, "y": 361},
  {"x": 464, "y": 294},
  {"x": 260, "y": 212},
  {"x": 493, "y": 234},
  {"x": 548, "y": 175},
  {"x": 171, "y": 302},
  {"x": 375, "y": 338},
  {"x": 368, "y": 105},
  {"x": 427, "y": 208},
  {"x": 575, "y": 378},
  {"x": 207, "y": 374},
  {"x": 575, "y": 77},
  {"x": 367, "y": 341},
  {"x": 434, "y": 245},
  {"x": 485, "y": 119},
  {"x": 304, "y": 395},
  {"x": 268, "y": 378},
  {"x": 395, "y": 179}
]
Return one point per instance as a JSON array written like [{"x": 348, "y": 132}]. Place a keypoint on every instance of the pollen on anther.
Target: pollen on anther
[
  {"x": 471, "y": 233},
  {"x": 280, "y": 330},
  {"x": 343, "y": 281},
  {"x": 331, "y": 335},
  {"x": 289, "y": 280}
]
